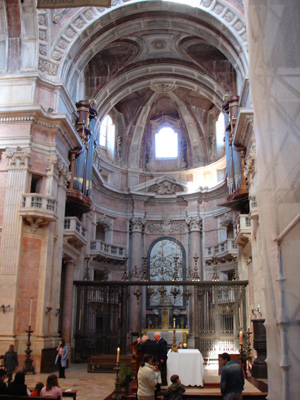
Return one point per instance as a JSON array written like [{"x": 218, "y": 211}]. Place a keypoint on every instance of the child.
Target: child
[
  {"x": 175, "y": 390},
  {"x": 37, "y": 390},
  {"x": 156, "y": 369}
]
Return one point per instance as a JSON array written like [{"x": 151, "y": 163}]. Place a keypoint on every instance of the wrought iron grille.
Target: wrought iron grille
[{"x": 219, "y": 313}]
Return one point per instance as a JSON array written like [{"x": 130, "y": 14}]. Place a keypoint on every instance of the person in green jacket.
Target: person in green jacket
[{"x": 175, "y": 390}]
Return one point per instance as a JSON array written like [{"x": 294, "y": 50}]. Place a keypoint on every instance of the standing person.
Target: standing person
[
  {"x": 146, "y": 379},
  {"x": 10, "y": 362},
  {"x": 162, "y": 356},
  {"x": 3, "y": 387},
  {"x": 18, "y": 387},
  {"x": 232, "y": 379},
  {"x": 175, "y": 390},
  {"x": 156, "y": 369},
  {"x": 52, "y": 388},
  {"x": 147, "y": 346},
  {"x": 62, "y": 358}
]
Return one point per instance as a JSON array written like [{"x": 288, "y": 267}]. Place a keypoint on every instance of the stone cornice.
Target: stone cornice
[
  {"x": 209, "y": 194},
  {"x": 37, "y": 115}
]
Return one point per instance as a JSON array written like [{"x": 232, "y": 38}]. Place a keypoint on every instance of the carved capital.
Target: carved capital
[
  {"x": 226, "y": 219},
  {"x": 137, "y": 224},
  {"x": 194, "y": 224},
  {"x": 18, "y": 158},
  {"x": 250, "y": 167},
  {"x": 105, "y": 221},
  {"x": 58, "y": 169}
]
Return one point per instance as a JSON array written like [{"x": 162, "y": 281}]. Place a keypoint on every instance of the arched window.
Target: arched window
[
  {"x": 107, "y": 136},
  {"x": 107, "y": 132},
  {"x": 166, "y": 143},
  {"x": 220, "y": 133}
]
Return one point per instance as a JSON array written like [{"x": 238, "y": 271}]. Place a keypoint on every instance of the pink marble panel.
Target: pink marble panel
[
  {"x": 28, "y": 283},
  {"x": 44, "y": 134},
  {"x": 15, "y": 129},
  {"x": 44, "y": 96},
  {"x": 3, "y": 183}
]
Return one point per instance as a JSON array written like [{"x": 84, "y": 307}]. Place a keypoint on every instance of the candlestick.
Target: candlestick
[
  {"x": 241, "y": 337},
  {"x": 118, "y": 355},
  {"x": 29, "y": 322}
]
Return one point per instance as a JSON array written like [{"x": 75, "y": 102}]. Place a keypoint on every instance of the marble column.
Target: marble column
[
  {"x": 67, "y": 301},
  {"x": 137, "y": 226},
  {"x": 194, "y": 224}
]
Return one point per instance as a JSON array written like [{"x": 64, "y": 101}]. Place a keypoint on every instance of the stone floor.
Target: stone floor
[{"x": 98, "y": 386}]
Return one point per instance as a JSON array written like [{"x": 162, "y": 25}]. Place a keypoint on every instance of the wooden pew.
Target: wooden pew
[{"x": 13, "y": 397}]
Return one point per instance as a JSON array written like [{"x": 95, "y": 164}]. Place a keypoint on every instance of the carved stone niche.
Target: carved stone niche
[{"x": 259, "y": 368}]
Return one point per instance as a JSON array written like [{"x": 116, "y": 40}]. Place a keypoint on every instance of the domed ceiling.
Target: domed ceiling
[{"x": 155, "y": 63}]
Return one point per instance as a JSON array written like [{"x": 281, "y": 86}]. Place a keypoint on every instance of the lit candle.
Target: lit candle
[
  {"x": 30, "y": 311},
  {"x": 118, "y": 354},
  {"x": 241, "y": 337}
]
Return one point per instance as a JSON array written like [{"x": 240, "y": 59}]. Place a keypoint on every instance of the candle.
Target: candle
[
  {"x": 30, "y": 311},
  {"x": 118, "y": 354},
  {"x": 241, "y": 337},
  {"x": 80, "y": 319},
  {"x": 174, "y": 323}
]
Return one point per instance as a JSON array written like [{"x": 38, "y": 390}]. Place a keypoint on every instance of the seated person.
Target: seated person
[
  {"x": 18, "y": 387},
  {"x": 52, "y": 388},
  {"x": 37, "y": 390},
  {"x": 3, "y": 387}
]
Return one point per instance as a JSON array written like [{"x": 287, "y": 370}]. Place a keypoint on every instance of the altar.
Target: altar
[{"x": 188, "y": 365}]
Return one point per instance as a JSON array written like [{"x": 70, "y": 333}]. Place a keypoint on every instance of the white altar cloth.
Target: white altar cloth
[{"x": 188, "y": 365}]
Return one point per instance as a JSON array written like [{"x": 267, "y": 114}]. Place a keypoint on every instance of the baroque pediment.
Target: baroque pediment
[{"x": 162, "y": 186}]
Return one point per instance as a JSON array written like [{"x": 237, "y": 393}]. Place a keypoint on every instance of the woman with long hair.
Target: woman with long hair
[
  {"x": 62, "y": 358},
  {"x": 147, "y": 380},
  {"x": 52, "y": 388},
  {"x": 18, "y": 387}
]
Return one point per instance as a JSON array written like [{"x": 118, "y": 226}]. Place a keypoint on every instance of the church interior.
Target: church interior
[{"x": 149, "y": 180}]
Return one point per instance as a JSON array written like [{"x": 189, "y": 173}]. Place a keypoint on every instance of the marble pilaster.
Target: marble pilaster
[
  {"x": 67, "y": 302},
  {"x": 11, "y": 240}
]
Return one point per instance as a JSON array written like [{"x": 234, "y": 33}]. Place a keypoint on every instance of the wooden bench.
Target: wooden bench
[
  {"x": 107, "y": 362},
  {"x": 13, "y": 397}
]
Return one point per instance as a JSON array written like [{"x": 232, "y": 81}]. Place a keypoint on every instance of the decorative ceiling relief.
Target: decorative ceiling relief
[{"x": 165, "y": 187}]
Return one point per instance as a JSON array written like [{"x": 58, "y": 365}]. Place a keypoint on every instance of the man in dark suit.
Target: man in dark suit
[
  {"x": 162, "y": 356},
  {"x": 147, "y": 346}
]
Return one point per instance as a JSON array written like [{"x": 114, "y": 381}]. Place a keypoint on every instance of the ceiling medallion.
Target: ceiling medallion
[{"x": 159, "y": 44}]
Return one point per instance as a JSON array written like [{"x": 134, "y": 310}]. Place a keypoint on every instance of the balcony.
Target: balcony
[
  {"x": 243, "y": 230},
  {"x": 104, "y": 250},
  {"x": 74, "y": 232},
  {"x": 223, "y": 251},
  {"x": 38, "y": 209}
]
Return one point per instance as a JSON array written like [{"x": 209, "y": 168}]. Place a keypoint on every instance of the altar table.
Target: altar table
[{"x": 188, "y": 365}]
